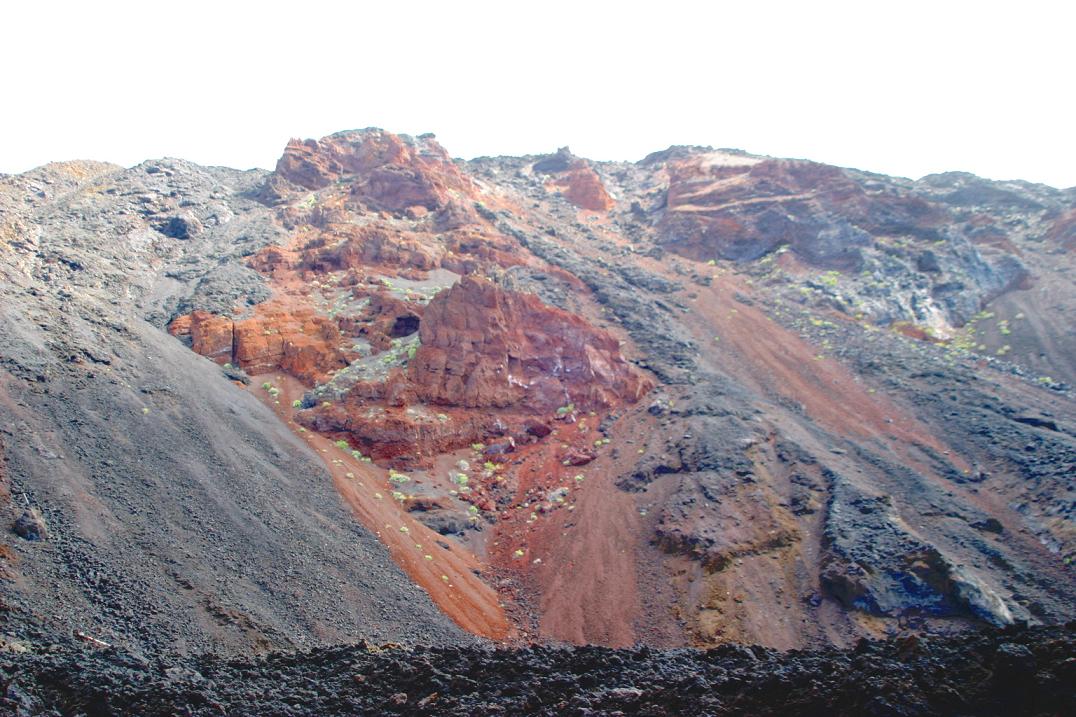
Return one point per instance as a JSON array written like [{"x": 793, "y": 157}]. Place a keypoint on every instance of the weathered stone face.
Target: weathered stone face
[
  {"x": 386, "y": 170},
  {"x": 584, "y": 188},
  {"x": 297, "y": 341},
  {"x": 483, "y": 346},
  {"x": 743, "y": 211}
]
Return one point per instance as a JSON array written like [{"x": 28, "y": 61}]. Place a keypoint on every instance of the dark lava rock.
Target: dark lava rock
[
  {"x": 1016, "y": 671},
  {"x": 553, "y": 163},
  {"x": 31, "y": 525},
  {"x": 538, "y": 429},
  {"x": 927, "y": 261},
  {"x": 990, "y": 525},
  {"x": 180, "y": 227},
  {"x": 1015, "y": 659},
  {"x": 1036, "y": 422},
  {"x": 236, "y": 374}
]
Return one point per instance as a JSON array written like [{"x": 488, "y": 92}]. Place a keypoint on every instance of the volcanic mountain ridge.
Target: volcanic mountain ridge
[{"x": 705, "y": 397}]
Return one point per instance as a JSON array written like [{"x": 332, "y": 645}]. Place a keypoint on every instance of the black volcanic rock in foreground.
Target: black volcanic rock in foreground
[{"x": 1014, "y": 671}]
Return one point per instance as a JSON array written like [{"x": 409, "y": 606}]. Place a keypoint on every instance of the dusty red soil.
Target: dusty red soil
[{"x": 577, "y": 556}]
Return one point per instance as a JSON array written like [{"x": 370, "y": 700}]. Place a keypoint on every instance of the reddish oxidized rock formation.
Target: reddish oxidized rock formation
[
  {"x": 270, "y": 260},
  {"x": 453, "y": 239},
  {"x": 384, "y": 170},
  {"x": 489, "y": 360},
  {"x": 583, "y": 187},
  {"x": 405, "y": 437},
  {"x": 387, "y": 202},
  {"x": 483, "y": 346},
  {"x": 741, "y": 208},
  {"x": 392, "y": 317},
  {"x": 348, "y": 246},
  {"x": 298, "y": 341},
  {"x": 211, "y": 335}
]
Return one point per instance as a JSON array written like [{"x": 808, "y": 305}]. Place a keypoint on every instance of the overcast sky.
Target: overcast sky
[{"x": 903, "y": 88}]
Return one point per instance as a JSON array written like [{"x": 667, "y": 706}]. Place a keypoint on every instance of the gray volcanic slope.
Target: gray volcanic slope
[{"x": 181, "y": 514}]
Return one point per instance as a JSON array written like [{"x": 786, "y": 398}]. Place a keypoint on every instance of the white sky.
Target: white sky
[{"x": 904, "y": 88}]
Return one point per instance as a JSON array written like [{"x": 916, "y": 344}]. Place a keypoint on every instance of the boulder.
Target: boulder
[
  {"x": 538, "y": 429},
  {"x": 553, "y": 163},
  {"x": 182, "y": 226},
  {"x": 31, "y": 525},
  {"x": 500, "y": 448},
  {"x": 579, "y": 457}
]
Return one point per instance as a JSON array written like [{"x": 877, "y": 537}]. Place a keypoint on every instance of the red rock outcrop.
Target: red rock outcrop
[
  {"x": 384, "y": 170},
  {"x": 392, "y": 249},
  {"x": 582, "y": 186},
  {"x": 741, "y": 208},
  {"x": 483, "y": 346},
  {"x": 181, "y": 326},
  {"x": 396, "y": 434},
  {"x": 349, "y": 246},
  {"x": 270, "y": 259},
  {"x": 385, "y": 202},
  {"x": 211, "y": 335},
  {"x": 391, "y": 316},
  {"x": 489, "y": 360},
  {"x": 299, "y": 341}
]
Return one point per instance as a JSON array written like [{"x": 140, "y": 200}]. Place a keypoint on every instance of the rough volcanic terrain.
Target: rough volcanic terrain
[
  {"x": 177, "y": 512},
  {"x": 1010, "y": 672},
  {"x": 707, "y": 397}
]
